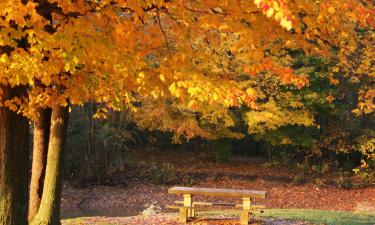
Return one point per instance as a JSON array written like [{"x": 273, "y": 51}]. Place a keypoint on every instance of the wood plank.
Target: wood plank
[
  {"x": 253, "y": 206},
  {"x": 212, "y": 208},
  {"x": 218, "y": 192},
  {"x": 204, "y": 208},
  {"x": 209, "y": 203}
]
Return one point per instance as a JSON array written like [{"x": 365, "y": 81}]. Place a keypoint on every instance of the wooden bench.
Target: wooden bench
[{"x": 188, "y": 206}]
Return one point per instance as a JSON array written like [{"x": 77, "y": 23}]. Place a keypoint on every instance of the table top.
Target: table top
[{"x": 218, "y": 192}]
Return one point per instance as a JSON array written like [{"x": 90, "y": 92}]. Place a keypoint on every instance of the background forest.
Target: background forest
[{"x": 328, "y": 137}]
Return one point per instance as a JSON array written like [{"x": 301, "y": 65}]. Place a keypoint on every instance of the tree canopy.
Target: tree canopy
[{"x": 197, "y": 67}]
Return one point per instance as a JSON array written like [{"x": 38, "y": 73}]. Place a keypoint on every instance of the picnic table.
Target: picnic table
[{"x": 188, "y": 206}]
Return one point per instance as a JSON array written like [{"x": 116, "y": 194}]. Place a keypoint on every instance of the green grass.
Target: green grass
[
  {"x": 315, "y": 216},
  {"x": 321, "y": 216}
]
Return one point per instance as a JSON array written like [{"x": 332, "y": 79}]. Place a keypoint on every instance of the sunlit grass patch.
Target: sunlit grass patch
[{"x": 313, "y": 216}]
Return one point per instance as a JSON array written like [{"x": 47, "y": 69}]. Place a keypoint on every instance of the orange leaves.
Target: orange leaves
[
  {"x": 13, "y": 104},
  {"x": 287, "y": 75},
  {"x": 366, "y": 101},
  {"x": 252, "y": 70},
  {"x": 334, "y": 81},
  {"x": 278, "y": 9},
  {"x": 330, "y": 98},
  {"x": 193, "y": 104},
  {"x": 115, "y": 53}
]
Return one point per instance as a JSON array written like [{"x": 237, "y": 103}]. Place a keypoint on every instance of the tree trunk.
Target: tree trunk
[
  {"x": 269, "y": 152},
  {"x": 49, "y": 210},
  {"x": 90, "y": 156},
  {"x": 40, "y": 148},
  {"x": 257, "y": 148},
  {"x": 14, "y": 161}
]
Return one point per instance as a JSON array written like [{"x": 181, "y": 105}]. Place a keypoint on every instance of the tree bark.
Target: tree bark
[
  {"x": 40, "y": 148},
  {"x": 14, "y": 161},
  {"x": 269, "y": 152},
  {"x": 49, "y": 209}
]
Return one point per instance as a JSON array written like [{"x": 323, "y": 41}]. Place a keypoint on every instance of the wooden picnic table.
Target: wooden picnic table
[{"x": 188, "y": 206}]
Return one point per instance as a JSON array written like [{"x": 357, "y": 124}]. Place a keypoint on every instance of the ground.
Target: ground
[
  {"x": 132, "y": 196},
  {"x": 171, "y": 219}
]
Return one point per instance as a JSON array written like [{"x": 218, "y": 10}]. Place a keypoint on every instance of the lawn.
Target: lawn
[
  {"x": 314, "y": 216},
  {"x": 321, "y": 216}
]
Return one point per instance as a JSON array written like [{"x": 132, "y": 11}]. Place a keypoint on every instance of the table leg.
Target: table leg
[
  {"x": 244, "y": 215},
  {"x": 188, "y": 202},
  {"x": 183, "y": 215}
]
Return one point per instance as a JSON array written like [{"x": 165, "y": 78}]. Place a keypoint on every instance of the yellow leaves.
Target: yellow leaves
[
  {"x": 215, "y": 97},
  {"x": 286, "y": 23},
  {"x": 101, "y": 113},
  {"x": 174, "y": 90},
  {"x": 320, "y": 18},
  {"x": 279, "y": 15},
  {"x": 251, "y": 92},
  {"x": 67, "y": 67},
  {"x": 366, "y": 101},
  {"x": 271, "y": 116},
  {"x": 277, "y": 8},
  {"x": 182, "y": 84},
  {"x": 46, "y": 80},
  {"x": 3, "y": 58},
  {"x": 270, "y": 12},
  {"x": 13, "y": 104},
  {"x": 286, "y": 141},
  {"x": 140, "y": 78},
  {"x": 193, "y": 91},
  {"x": 257, "y": 2},
  {"x": 357, "y": 112},
  {"x": 154, "y": 94},
  {"x": 335, "y": 69},
  {"x": 331, "y": 10},
  {"x": 162, "y": 77},
  {"x": 70, "y": 63},
  {"x": 296, "y": 104},
  {"x": 344, "y": 34},
  {"x": 107, "y": 51}
]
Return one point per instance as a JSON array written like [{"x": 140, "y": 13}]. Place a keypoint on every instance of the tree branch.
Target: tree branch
[{"x": 164, "y": 34}]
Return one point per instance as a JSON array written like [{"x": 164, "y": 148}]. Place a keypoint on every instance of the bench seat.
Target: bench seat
[
  {"x": 254, "y": 206},
  {"x": 216, "y": 208}
]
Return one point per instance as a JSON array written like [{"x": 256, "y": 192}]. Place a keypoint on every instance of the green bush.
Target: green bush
[{"x": 222, "y": 151}]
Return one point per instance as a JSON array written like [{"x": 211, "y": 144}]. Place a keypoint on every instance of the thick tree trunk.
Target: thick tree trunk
[
  {"x": 14, "y": 161},
  {"x": 40, "y": 148},
  {"x": 49, "y": 209}
]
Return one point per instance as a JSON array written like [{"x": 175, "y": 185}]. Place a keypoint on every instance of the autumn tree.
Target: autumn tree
[{"x": 117, "y": 52}]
